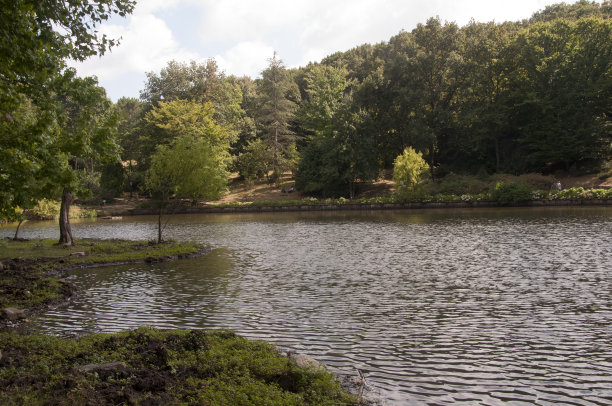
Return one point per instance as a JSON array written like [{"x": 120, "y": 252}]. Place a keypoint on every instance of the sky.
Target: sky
[{"x": 241, "y": 35}]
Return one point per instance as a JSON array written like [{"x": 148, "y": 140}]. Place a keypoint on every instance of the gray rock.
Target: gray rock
[
  {"x": 305, "y": 361},
  {"x": 78, "y": 254},
  {"x": 13, "y": 314},
  {"x": 101, "y": 368}
]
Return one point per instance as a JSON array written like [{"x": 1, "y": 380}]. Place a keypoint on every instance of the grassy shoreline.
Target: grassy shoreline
[
  {"x": 143, "y": 366},
  {"x": 32, "y": 272},
  {"x": 158, "y": 367}
]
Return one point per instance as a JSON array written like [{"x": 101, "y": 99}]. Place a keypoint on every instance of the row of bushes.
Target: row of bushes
[
  {"x": 50, "y": 209},
  {"x": 504, "y": 193}
]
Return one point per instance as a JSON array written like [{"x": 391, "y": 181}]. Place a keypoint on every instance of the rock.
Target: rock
[
  {"x": 356, "y": 385},
  {"x": 104, "y": 370},
  {"x": 78, "y": 254},
  {"x": 305, "y": 361},
  {"x": 13, "y": 314}
]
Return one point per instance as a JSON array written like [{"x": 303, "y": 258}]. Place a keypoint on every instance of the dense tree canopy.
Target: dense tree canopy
[
  {"x": 531, "y": 95},
  {"x": 50, "y": 119}
]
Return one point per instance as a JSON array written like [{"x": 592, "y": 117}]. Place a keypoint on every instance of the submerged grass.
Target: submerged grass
[{"x": 149, "y": 366}]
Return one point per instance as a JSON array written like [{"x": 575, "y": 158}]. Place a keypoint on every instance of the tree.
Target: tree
[
  {"x": 255, "y": 161},
  {"x": 189, "y": 168},
  {"x": 86, "y": 134},
  {"x": 191, "y": 163},
  {"x": 424, "y": 76},
  {"x": 200, "y": 83},
  {"x": 277, "y": 110},
  {"x": 342, "y": 150},
  {"x": 409, "y": 170},
  {"x": 486, "y": 137},
  {"x": 325, "y": 89},
  {"x": 36, "y": 39},
  {"x": 561, "y": 91},
  {"x": 132, "y": 133}
]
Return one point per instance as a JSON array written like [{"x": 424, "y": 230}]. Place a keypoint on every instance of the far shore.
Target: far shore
[{"x": 112, "y": 212}]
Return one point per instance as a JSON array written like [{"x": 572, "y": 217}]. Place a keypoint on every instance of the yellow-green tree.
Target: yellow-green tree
[
  {"x": 193, "y": 165},
  {"x": 409, "y": 172}
]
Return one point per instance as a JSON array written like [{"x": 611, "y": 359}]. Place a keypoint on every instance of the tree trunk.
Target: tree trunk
[
  {"x": 432, "y": 162},
  {"x": 159, "y": 224},
  {"x": 276, "y": 174},
  {"x": 64, "y": 221},
  {"x": 17, "y": 231},
  {"x": 497, "y": 157}
]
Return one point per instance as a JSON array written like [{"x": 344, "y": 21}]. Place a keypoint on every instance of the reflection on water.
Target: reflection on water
[{"x": 489, "y": 306}]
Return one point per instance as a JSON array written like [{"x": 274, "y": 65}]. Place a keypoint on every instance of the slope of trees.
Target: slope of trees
[
  {"x": 528, "y": 96},
  {"x": 516, "y": 97}
]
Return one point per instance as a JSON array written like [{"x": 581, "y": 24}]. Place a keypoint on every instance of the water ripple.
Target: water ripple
[{"x": 489, "y": 307}]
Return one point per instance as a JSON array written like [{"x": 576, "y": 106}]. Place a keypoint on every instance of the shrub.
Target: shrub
[
  {"x": 46, "y": 210},
  {"x": 409, "y": 171},
  {"x": 505, "y": 193}
]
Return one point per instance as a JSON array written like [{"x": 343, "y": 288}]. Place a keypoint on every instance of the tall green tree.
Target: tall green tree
[
  {"x": 277, "y": 108},
  {"x": 132, "y": 135},
  {"x": 201, "y": 83},
  {"x": 193, "y": 164},
  {"x": 86, "y": 134},
  {"x": 486, "y": 135},
  {"x": 425, "y": 75},
  {"x": 37, "y": 37},
  {"x": 561, "y": 92},
  {"x": 342, "y": 150}
]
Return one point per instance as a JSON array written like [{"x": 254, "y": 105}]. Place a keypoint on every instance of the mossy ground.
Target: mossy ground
[
  {"x": 31, "y": 278},
  {"x": 159, "y": 368}
]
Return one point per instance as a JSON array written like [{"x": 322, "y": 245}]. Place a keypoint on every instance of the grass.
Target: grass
[
  {"x": 31, "y": 278},
  {"x": 158, "y": 367},
  {"x": 96, "y": 251}
]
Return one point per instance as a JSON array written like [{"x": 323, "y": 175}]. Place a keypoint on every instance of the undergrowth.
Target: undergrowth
[{"x": 158, "y": 367}]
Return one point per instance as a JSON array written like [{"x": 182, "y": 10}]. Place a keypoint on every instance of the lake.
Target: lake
[{"x": 487, "y": 306}]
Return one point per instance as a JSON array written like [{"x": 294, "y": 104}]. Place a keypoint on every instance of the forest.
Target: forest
[
  {"x": 512, "y": 97},
  {"x": 487, "y": 97}
]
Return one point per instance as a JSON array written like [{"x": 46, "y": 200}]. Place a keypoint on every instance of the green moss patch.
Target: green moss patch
[{"x": 148, "y": 366}]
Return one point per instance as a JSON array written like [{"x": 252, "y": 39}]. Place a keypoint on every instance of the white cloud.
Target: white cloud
[
  {"x": 245, "y": 58},
  {"x": 151, "y": 6},
  {"x": 146, "y": 44}
]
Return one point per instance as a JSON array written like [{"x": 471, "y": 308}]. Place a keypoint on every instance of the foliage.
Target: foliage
[
  {"x": 409, "y": 170},
  {"x": 36, "y": 39},
  {"x": 46, "y": 209},
  {"x": 170, "y": 367},
  {"x": 505, "y": 193},
  {"x": 112, "y": 180},
  {"x": 277, "y": 106},
  {"x": 255, "y": 162},
  {"x": 189, "y": 168},
  {"x": 561, "y": 89},
  {"x": 193, "y": 165},
  {"x": 338, "y": 154}
]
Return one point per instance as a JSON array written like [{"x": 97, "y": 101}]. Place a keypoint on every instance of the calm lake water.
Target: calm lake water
[{"x": 435, "y": 307}]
